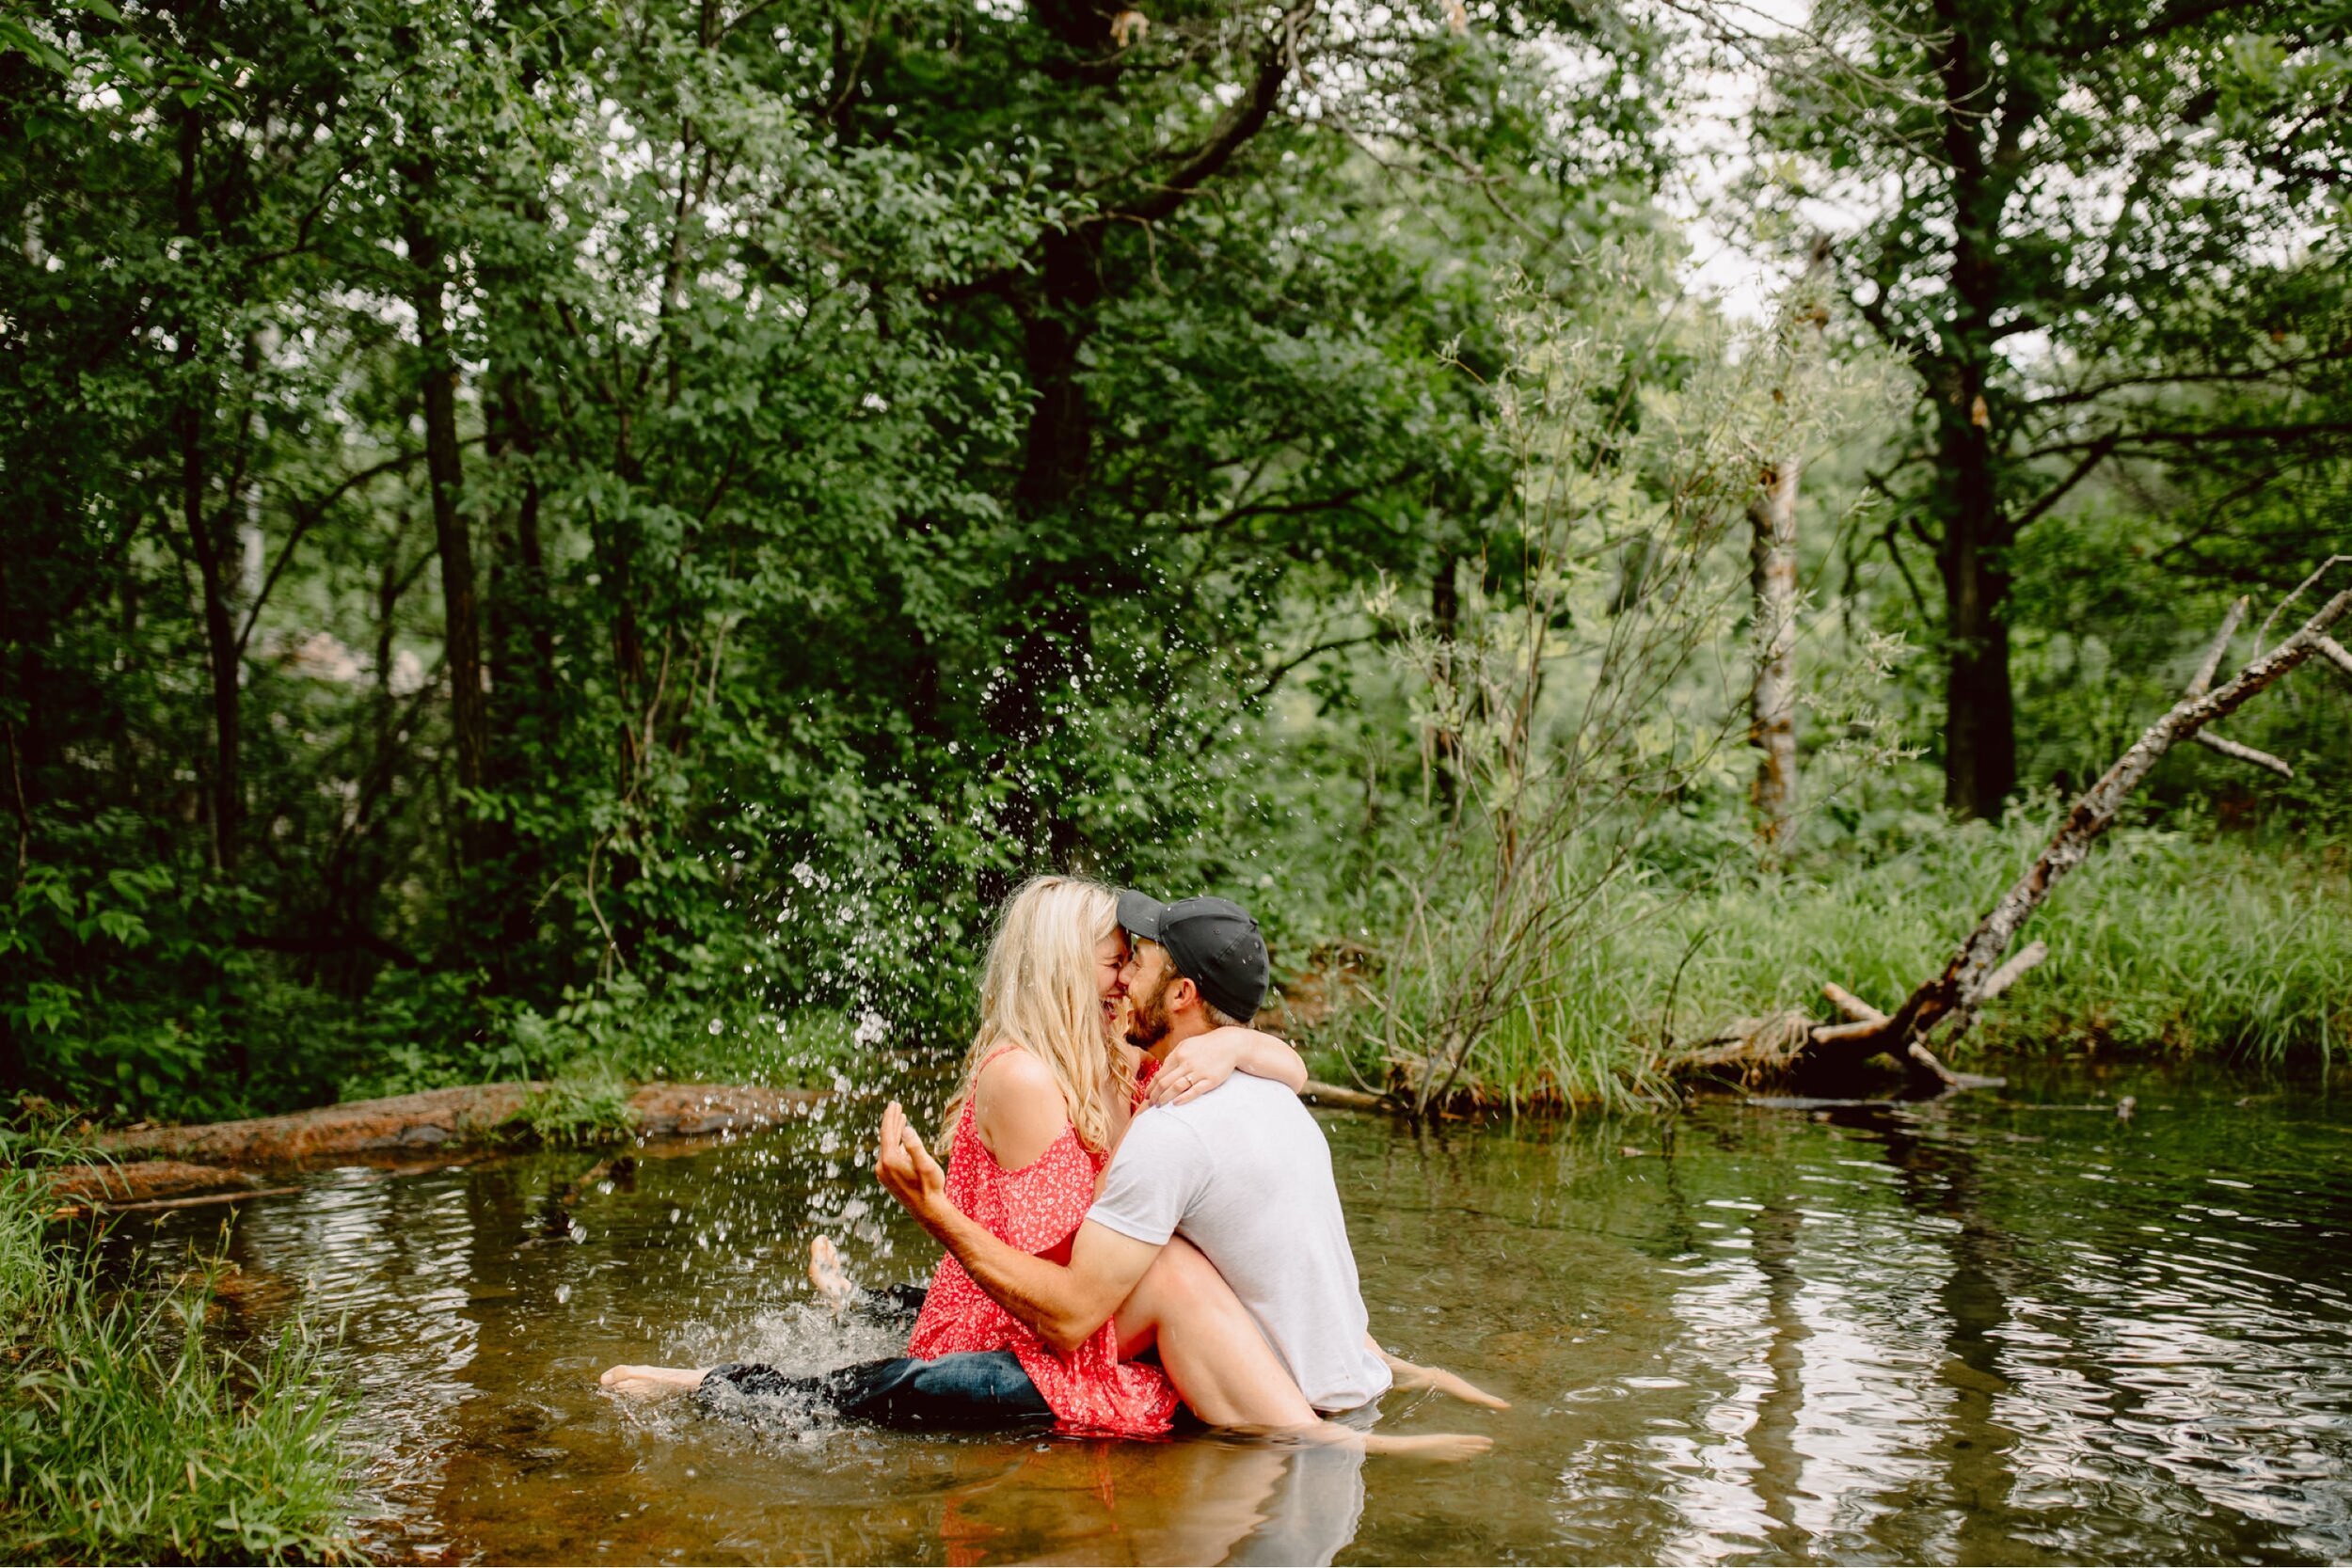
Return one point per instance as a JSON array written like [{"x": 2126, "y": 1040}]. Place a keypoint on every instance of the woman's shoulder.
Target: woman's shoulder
[
  {"x": 1014, "y": 1069},
  {"x": 1017, "y": 1107}
]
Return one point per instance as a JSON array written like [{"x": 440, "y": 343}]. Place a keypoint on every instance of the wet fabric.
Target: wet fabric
[
  {"x": 1038, "y": 1209},
  {"x": 971, "y": 1391}
]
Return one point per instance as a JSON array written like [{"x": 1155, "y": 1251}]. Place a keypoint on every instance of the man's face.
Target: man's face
[{"x": 1147, "y": 977}]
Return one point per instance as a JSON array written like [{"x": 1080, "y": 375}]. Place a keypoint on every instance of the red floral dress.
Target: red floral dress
[{"x": 1038, "y": 1209}]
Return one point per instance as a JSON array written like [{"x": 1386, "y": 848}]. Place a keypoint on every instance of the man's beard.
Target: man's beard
[{"x": 1147, "y": 1017}]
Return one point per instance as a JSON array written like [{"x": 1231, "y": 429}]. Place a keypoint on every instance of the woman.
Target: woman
[{"x": 1047, "y": 1091}]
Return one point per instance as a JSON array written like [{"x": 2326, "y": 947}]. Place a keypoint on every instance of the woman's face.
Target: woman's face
[{"x": 1111, "y": 983}]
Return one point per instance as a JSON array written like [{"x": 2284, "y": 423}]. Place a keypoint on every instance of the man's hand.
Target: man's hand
[{"x": 904, "y": 1166}]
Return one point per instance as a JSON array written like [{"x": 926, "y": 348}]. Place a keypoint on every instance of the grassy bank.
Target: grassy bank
[
  {"x": 2163, "y": 944},
  {"x": 127, "y": 1435}
]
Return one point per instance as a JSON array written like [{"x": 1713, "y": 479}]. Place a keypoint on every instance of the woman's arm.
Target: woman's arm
[{"x": 1204, "y": 1061}]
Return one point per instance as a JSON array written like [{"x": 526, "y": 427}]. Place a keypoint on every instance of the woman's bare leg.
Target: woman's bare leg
[
  {"x": 1221, "y": 1364},
  {"x": 653, "y": 1382},
  {"x": 833, "y": 1287}
]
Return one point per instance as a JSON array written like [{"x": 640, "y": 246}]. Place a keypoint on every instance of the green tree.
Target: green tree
[{"x": 2082, "y": 225}]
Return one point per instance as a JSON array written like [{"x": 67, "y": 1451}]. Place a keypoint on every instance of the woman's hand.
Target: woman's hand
[{"x": 1205, "y": 1061}]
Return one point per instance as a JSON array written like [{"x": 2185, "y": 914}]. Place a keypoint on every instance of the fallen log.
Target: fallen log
[
  {"x": 1818, "y": 1055},
  {"x": 439, "y": 1120},
  {"x": 1341, "y": 1098},
  {"x": 143, "y": 1181},
  {"x": 75, "y": 1211}
]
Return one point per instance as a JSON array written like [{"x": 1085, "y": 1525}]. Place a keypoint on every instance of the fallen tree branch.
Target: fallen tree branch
[
  {"x": 1941, "y": 1010},
  {"x": 75, "y": 1211},
  {"x": 2209, "y": 666}
]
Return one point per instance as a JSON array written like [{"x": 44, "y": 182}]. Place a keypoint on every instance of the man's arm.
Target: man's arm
[{"x": 1065, "y": 1306}]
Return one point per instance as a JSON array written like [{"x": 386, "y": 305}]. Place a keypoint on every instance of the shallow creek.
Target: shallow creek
[{"x": 2012, "y": 1328}]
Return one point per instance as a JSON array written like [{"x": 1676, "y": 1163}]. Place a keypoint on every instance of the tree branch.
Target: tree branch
[
  {"x": 1234, "y": 129},
  {"x": 2050, "y": 498}
]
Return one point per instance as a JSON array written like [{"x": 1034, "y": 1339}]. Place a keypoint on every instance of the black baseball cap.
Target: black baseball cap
[{"x": 1213, "y": 943}]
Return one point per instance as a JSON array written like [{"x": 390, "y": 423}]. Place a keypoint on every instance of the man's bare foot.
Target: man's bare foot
[
  {"x": 1446, "y": 1448},
  {"x": 831, "y": 1279},
  {"x": 1411, "y": 1377},
  {"x": 652, "y": 1383}
]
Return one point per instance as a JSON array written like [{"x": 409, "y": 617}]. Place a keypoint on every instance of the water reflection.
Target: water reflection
[
  {"x": 1203, "y": 1501},
  {"x": 2010, "y": 1328}
]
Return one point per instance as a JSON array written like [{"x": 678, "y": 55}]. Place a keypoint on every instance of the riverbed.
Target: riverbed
[{"x": 2025, "y": 1324}]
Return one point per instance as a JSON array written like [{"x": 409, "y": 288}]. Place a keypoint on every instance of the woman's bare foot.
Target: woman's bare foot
[
  {"x": 652, "y": 1383},
  {"x": 1410, "y": 1376},
  {"x": 831, "y": 1279}
]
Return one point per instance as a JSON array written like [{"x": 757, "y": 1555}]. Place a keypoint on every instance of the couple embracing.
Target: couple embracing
[{"x": 1132, "y": 1226}]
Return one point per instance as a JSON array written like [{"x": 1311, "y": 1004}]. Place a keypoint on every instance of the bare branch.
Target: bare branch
[
  {"x": 2209, "y": 665},
  {"x": 2213, "y": 742},
  {"x": 2010, "y": 972},
  {"x": 1852, "y": 1006}
]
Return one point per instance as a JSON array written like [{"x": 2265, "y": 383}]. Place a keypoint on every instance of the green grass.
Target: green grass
[
  {"x": 2162, "y": 943},
  {"x": 126, "y": 1435},
  {"x": 581, "y": 1111}
]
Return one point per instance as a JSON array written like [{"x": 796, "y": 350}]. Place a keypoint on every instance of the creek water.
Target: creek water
[{"x": 2012, "y": 1327}]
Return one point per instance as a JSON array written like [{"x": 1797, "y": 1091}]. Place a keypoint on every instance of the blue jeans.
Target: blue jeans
[{"x": 973, "y": 1389}]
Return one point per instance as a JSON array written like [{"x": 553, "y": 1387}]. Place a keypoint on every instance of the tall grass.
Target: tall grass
[
  {"x": 126, "y": 1435},
  {"x": 2163, "y": 942}
]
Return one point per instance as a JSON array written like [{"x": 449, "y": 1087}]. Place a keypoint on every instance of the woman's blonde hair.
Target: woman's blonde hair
[{"x": 1038, "y": 992}]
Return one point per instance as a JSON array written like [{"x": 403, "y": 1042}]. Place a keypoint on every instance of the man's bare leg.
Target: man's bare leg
[
  {"x": 1445, "y": 1448},
  {"x": 1408, "y": 1375},
  {"x": 1223, "y": 1368},
  {"x": 1221, "y": 1364},
  {"x": 653, "y": 1382}
]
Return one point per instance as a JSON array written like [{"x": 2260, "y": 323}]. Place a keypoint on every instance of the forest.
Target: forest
[{"x": 599, "y": 540}]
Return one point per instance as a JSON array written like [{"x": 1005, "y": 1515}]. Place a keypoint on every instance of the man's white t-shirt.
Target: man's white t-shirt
[{"x": 1245, "y": 1174}]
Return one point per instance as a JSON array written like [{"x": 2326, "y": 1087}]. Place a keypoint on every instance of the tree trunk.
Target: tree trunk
[
  {"x": 1051, "y": 592},
  {"x": 1772, "y": 701},
  {"x": 522, "y": 639},
  {"x": 207, "y": 547},
  {"x": 461, "y": 615},
  {"x": 1980, "y": 712},
  {"x": 1980, "y": 715}
]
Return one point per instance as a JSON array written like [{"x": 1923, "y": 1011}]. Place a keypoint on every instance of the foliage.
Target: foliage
[
  {"x": 127, "y": 1434},
  {"x": 856, "y": 472}
]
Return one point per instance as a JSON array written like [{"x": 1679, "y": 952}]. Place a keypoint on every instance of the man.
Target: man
[{"x": 1242, "y": 1172}]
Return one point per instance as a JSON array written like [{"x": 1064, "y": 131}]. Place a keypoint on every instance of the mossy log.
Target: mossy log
[{"x": 163, "y": 1166}]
